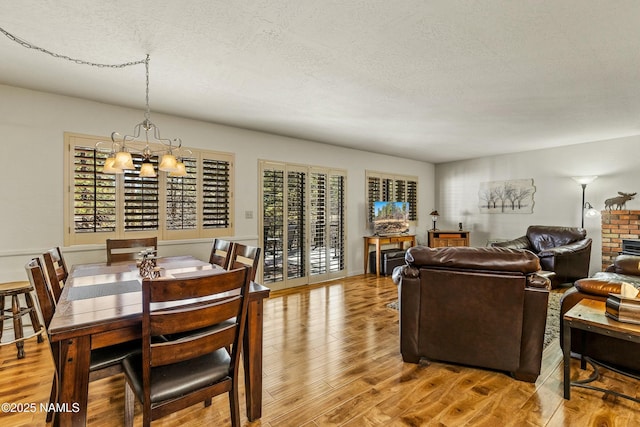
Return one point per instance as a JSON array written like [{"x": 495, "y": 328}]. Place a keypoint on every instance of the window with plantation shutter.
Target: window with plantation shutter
[
  {"x": 412, "y": 198},
  {"x": 318, "y": 223},
  {"x": 141, "y": 197},
  {"x": 373, "y": 194},
  {"x": 182, "y": 198},
  {"x": 215, "y": 188},
  {"x": 336, "y": 222},
  {"x": 273, "y": 225},
  {"x": 296, "y": 230},
  {"x": 101, "y": 206},
  {"x": 384, "y": 187},
  {"x": 94, "y": 193},
  {"x": 401, "y": 190},
  {"x": 387, "y": 189}
]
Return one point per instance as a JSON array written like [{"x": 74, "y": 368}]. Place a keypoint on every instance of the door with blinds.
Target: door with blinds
[{"x": 303, "y": 224}]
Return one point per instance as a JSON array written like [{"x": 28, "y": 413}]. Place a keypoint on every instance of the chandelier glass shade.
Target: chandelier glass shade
[
  {"x": 109, "y": 165},
  {"x": 181, "y": 170},
  {"x": 123, "y": 161},
  {"x": 169, "y": 163},
  {"x": 147, "y": 170}
]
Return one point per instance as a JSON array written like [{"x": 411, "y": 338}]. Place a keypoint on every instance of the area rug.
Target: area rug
[{"x": 552, "y": 329}]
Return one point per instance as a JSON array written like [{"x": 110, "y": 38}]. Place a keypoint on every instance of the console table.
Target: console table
[
  {"x": 379, "y": 241},
  {"x": 588, "y": 315},
  {"x": 442, "y": 239}
]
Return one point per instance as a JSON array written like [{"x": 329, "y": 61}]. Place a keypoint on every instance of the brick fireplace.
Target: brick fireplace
[{"x": 617, "y": 225}]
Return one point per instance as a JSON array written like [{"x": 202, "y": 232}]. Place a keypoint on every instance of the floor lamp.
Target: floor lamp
[{"x": 584, "y": 181}]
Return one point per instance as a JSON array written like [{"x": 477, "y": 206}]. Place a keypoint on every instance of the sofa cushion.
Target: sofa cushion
[
  {"x": 545, "y": 236},
  {"x": 545, "y": 244},
  {"x": 519, "y": 243},
  {"x": 482, "y": 258},
  {"x": 627, "y": 264}
]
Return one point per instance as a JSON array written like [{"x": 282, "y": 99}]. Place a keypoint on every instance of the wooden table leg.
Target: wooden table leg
[
  {"x": 73, "y": 387},
  {"x": 252, "y": 358},
  {"x": 377, "y": 258},
  {"x": 566, "y": 353},
  {"x": 366, "y": 254}
]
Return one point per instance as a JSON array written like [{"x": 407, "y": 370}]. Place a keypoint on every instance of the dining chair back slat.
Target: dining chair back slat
[
  {"x": 128, "y": 249},
  {"x": 46, "y": 298},
  {"x": 56, "y": 270},
  {"x": 245, "y": 255},
  {"x": 221, "y": 253}
]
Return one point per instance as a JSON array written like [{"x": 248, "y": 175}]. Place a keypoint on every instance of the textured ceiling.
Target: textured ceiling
[{"x": 435, "y": 80}]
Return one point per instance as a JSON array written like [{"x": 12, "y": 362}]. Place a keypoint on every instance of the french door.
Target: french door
[{"x": 303, "y": 224}]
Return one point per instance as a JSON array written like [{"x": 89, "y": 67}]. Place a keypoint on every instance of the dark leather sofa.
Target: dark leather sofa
[
  {"x": 624, "y": 354},
  {"x": 482, "y": 307},
  {"x": 564, "y": 250}
]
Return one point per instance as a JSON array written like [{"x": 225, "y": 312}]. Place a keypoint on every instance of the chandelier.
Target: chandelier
[
  {"x": 149, "y": 134},
  {"x": 120, "y": 158}
]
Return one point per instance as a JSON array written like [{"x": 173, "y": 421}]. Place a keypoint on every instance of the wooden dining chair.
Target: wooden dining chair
[
  {"x": 221, "y": 253},
  {"x": 56, "y": 270},
  {"x": 179, "y": 373},
  {"x": 105, "y": 361},
  {"x": 128, "y": 249},
  {"x": 245, "y": 255}
]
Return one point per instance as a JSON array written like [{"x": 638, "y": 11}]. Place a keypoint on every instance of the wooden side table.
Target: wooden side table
[
  {"x": 441, "y": 239},
  {"x": 588, "y": 315},
  {"x": 378, "y": 241}
]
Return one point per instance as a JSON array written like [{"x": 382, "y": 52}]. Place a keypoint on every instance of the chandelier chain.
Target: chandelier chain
[
  {"x": 28, "y": 45},
  {"x": 147, "y": 112}
]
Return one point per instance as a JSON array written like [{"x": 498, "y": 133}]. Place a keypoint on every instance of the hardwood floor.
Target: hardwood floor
[{"x": 331, "y": 357}]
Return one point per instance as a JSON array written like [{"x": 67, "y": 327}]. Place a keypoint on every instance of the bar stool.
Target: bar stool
[{"x": 13, "y": 290}]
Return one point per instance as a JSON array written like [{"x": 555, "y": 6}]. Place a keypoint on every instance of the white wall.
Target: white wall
[
  {"x": 557, "y": 197},
  {"x": 32, "y": 126}
]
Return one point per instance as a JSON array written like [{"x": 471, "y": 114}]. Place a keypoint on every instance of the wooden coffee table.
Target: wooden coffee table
[{"x": 588, "y": 315}]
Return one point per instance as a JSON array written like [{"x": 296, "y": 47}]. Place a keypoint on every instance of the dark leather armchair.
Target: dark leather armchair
[
  {"x": 564, "y": 250},
  {"x": 623, "y": 354},
  {"x": 482, "y": 307}
]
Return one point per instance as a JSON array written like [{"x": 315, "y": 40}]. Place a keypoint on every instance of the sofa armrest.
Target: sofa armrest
[
  {"x": 409, "y": 299},
  {"x": 404, "y": 271},
  {"x": 600, "y": 287},
  {"x": 519, "y": 243},
  {"x": 538, "y": 281},
  {"x": 570, "y": 249}
]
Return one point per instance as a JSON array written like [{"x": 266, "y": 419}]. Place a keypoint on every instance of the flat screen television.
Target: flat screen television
[{"x": 390, "y": 218}]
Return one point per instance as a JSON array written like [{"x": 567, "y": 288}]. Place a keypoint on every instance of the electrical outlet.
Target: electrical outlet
[{"x": 248, "y": 214}]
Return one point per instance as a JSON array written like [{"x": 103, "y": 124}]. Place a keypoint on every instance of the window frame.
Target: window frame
[
  {"x": 73, "y": 237},
  {"x": 384, "y": 192}
]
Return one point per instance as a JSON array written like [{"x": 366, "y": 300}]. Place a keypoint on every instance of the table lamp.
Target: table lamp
[{"x": 434, "y": 216}]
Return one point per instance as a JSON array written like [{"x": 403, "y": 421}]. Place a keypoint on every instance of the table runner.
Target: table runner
[{"x": 103, "y": 289}]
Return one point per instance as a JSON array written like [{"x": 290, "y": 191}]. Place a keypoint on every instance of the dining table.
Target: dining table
[{"x": 101, "y": 305}]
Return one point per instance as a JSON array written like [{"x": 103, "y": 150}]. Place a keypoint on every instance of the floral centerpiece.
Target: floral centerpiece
[{"x": 147, "y": 264}]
